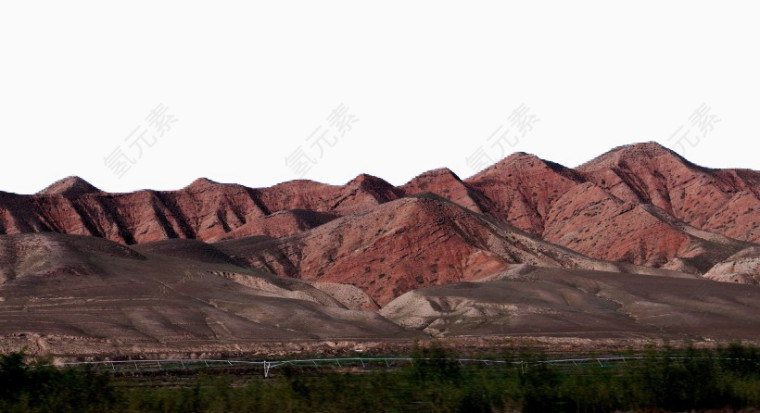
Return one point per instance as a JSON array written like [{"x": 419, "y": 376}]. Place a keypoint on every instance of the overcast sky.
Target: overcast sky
[{"x": 149, "y": 94}]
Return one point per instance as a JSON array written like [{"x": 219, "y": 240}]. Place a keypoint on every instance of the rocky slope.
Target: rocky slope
[
  {"x": 407, "y": 244},
  {"x": 640, "y": 204},
  {"x": 721, "y": 201}
]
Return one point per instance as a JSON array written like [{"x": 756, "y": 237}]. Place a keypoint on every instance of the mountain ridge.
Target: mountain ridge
[{"x": 541, "y": 197}]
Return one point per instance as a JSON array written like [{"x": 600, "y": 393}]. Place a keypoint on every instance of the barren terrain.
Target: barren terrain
[{"x": 638, "y": 244}]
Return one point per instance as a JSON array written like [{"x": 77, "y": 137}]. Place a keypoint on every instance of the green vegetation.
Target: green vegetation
[
  {"x": 37, "y": 388},
  {"x": 660, "y": 380}
]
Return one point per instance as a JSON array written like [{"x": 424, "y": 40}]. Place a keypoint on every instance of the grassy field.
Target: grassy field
[{"x": 658, "y": 380}]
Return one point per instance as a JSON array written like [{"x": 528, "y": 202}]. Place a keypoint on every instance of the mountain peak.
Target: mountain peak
[
  {"x": 435, "y": 174},
  {"x": 515, "y": 161},
  {"x": 365, "y": 180},
  {"x": 519, "y": 158},
  {"x": 201, "y": 183},
  {"x": 632, "y": 153},
  {"x": 70, "y": 186}
]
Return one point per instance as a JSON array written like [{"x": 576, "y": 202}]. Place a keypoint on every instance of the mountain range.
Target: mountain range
[{"x": 629, "y": 243}]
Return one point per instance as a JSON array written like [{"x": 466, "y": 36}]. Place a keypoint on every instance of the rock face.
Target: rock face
[
  {"x": 591, "y": 221},
  {"x": 404, "y": 245},
  {"x": 640, "y": 204},
  {"x": 522, "y": 189},
  {"x": 721, "y": 201},
  {"x": 445, "y": 183},
  {"x": 386, "y": 251},
  {"x": 204, "y": 210}
]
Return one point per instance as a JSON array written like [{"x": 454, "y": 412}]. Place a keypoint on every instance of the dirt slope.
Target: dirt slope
[
  {"x": 84, "y": 288},
  {"x": 579, "y": 303}
]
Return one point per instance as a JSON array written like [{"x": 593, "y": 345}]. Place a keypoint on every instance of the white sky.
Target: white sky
[{"x": 428, "y": 81}]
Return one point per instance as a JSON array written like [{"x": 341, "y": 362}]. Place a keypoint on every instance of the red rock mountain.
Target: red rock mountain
[
  {"x": 404, "y": 245},
  {"x": 640, "y": 204},
  {"x": 724, "y": 201}
]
